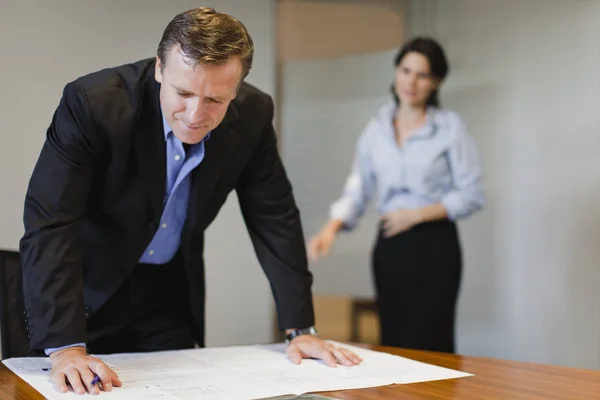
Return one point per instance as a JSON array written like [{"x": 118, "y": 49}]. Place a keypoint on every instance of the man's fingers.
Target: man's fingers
[
  {"x": 87, "y": 377},
  {"x": 106, "y": 382},
  {"x": 105, "y": 374},
  {"x": 115, "y": 379},
  {"x": 327, "y": 355},
  {"x": 349, "y": 358},
  {"x": 329, "y": 358},
  {"x": 294, "y": 354},
  {"x": 82, "y": 372},
  {"x": 59, "y": 380},
  {"x": 353, "y": 356},
  {"x": 341, "y": 357},
  {"x": 74, "y": 380}
]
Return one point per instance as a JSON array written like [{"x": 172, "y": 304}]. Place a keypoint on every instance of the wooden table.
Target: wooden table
[{"x": 494, "y": 379}]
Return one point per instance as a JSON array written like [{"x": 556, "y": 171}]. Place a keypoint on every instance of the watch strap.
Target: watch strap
[{"x": 299, "y": 332}]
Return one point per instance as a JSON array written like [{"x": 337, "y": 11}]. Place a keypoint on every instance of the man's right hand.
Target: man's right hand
[{"x": 75, "y": 367}]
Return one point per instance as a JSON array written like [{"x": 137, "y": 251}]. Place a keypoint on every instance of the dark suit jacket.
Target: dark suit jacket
[{"x": 96, "y": 196}]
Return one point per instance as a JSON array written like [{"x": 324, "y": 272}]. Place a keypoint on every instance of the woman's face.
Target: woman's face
[{"x": 414, "y": 82}]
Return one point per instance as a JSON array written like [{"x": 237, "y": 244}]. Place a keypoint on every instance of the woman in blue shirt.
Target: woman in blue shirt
[{"x": 424, "y": 167}]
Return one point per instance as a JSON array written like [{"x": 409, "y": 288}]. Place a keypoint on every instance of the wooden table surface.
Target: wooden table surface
[{"x": 494, "y": 379}]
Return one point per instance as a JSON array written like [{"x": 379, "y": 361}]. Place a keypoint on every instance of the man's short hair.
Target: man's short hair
[{"x": 206, "y": 36}]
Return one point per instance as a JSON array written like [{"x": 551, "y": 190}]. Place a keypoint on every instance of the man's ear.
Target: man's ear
[
  {"x": 237, "y": 89},
  {"x": 158, "y": 70}
]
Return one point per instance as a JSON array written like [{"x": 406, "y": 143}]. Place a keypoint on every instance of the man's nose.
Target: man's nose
[{"x": 195, "y": 113}]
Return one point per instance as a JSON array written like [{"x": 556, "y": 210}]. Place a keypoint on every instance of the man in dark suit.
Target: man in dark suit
[{"x": 137, "y": 162}]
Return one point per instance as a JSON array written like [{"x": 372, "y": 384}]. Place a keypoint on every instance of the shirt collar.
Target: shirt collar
[
  {"x": 430, "y": 126},
  {"x": 388, "y": 112}
]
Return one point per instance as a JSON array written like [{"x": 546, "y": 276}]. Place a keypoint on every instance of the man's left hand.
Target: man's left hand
[{"x": 310, "y": 346}]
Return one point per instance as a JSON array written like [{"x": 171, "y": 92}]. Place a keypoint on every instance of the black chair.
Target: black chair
[{"x": 12, "y": 328}]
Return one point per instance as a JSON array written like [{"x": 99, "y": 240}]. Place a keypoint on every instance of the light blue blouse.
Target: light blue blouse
[{"x": 439, "y": 163}]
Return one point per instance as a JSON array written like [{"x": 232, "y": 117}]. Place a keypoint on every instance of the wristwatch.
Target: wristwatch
[{"x": 299, "y": 332}]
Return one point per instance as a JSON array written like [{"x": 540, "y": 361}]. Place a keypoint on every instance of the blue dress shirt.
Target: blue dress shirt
[
  {"x": 439, "y": 163},
  {"x": 166, "y": 241}
]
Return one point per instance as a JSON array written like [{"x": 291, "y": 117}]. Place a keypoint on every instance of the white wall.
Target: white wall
[
  {"x": 326, "y": 104},
  {"x": 48, "y": 43},
  {"x": 326, "y": 101},
  {"x": 526, "y": 80}
]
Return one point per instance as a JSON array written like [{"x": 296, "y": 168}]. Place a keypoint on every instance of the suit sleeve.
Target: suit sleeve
[
  {"x": 54, "y": 206},
  {"x": 273, "y": 221}
]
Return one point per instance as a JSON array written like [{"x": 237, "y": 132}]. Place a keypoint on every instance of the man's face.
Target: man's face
[{"x": 195, "y": 98}]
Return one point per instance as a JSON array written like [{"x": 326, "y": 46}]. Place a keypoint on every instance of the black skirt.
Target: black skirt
[{"x": 417, "y": 278}]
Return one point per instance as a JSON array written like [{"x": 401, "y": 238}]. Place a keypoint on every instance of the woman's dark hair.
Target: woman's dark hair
[{"x": 438, "y": 63}]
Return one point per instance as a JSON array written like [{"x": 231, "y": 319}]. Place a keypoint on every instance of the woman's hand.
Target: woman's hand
[
  {"x": 321, "y": 243},
  {"x": 399, "y": 221}
]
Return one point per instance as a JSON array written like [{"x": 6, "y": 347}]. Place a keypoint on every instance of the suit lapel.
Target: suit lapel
[{"x": 150, "y": 146}]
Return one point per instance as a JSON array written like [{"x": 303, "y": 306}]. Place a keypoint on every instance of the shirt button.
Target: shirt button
[
  {"x": 151, "y": 252},
  {"x": 164, "y": 225},
  {"x": 177, "y": 157}
]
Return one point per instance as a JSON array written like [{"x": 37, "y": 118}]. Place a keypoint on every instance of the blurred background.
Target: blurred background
[{"x": 525, "y": 77}]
